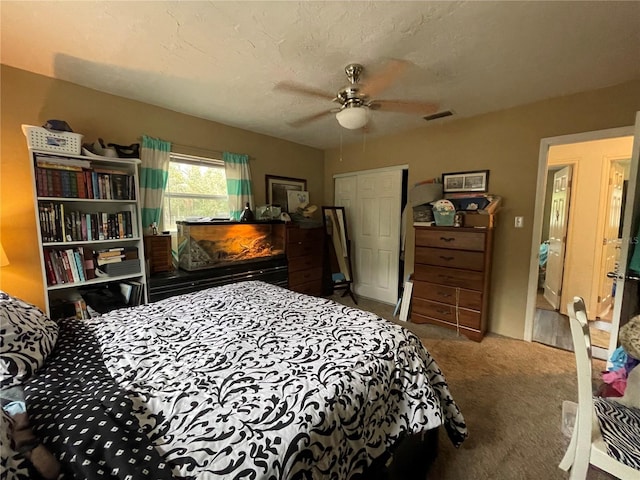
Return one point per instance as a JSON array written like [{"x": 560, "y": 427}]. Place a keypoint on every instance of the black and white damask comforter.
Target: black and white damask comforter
[{"x": 253, "y": 381}]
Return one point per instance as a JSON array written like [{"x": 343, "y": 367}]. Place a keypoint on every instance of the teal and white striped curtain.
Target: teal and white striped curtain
[
  {"x": 236, "y": 168},
  {"x": 154, "y": 173}
]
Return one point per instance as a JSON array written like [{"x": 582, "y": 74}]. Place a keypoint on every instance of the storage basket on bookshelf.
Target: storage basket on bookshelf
[
  {"x": 42, "y": 139},
  {"x": 125, "y": 267}
]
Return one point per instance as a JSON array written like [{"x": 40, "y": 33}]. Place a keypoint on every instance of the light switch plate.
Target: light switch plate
[{"x": 519, "y": 222}]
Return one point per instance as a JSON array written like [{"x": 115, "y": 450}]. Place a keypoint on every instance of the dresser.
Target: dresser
[
  {"x": 305, "y": 258},
  {"x": 451, "y": 279}
]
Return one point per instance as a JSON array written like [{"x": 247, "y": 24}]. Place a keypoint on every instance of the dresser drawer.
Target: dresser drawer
[
  {"x": 470, "y": 299},
  {"x": 450, "y": 258},
  {"x": 308, "y": 288},
  {"x": 304, "y": 276},
  {"x": 449, "y": 276},
  {"x": 304, "y": 249},
  {"x": 295, "y": 235},
  {"x": 304, "y": 262},
  {"x": 441, "y": 311},
  {"x": 456, "y": 239}
]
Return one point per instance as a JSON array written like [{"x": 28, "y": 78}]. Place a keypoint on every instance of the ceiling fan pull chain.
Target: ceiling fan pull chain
[{"x": 341, "y": 145}]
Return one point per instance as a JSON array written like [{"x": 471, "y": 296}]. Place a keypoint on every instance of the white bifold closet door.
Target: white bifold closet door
[{"x": 372, "y": 202}]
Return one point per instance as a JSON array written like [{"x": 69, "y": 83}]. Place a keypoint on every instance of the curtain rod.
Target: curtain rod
[{"x": 209, "y": 152}]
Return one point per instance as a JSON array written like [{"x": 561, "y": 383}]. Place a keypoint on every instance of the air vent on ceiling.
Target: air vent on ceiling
[{"x": 435, "y": 116}]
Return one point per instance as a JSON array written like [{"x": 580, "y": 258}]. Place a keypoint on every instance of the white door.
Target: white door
[
  {"x": 372, "y": 201},
  {"x": 627, "y": 301},
  {"x": 610, "y": 242},
  {"x": 345, "y": 196},
  {"x": 558, "y": 222}
]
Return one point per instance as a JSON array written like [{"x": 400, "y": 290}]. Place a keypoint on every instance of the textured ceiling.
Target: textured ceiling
[{"x": 221, "y": 60}]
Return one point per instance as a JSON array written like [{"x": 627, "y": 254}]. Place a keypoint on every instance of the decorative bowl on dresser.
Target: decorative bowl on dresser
[{"x": 451, "y": 279}]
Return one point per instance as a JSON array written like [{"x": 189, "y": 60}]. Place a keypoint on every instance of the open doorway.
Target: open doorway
[{"x": 580, "y": 241}]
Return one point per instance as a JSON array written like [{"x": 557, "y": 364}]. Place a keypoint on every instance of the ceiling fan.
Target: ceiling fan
[{"x": 358, "y": 99}]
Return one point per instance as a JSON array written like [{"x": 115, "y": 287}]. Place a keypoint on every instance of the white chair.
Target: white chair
[{"x": 587, "y": 445}]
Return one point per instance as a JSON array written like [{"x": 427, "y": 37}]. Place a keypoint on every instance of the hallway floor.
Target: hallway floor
[{"x": 552, "y": 328}]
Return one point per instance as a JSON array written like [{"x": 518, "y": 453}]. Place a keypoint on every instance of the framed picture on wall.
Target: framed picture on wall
[
  {"x": 277, "y": 189},
  {"x": 465, "y": 181}
]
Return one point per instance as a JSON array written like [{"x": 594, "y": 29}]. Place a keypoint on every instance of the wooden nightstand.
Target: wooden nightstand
[{"x": 157, "y": 249}]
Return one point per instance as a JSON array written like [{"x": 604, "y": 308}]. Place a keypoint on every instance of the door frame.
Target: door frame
[{"x": 545, "y": 145}]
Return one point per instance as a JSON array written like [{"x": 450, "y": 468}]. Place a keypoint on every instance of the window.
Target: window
[{"x": 196, "y": 187}]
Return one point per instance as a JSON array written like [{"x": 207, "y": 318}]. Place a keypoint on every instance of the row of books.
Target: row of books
[
  {"x": 77, "y": 265},
  {"x": 58, "y": 225},
  {"x": 73, "y": 178}
]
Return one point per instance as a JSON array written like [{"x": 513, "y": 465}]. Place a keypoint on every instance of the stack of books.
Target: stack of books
[{"x": 118, "y": 261}]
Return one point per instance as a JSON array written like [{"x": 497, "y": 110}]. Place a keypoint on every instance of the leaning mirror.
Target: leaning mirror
[{"x": 335, "y": 223}]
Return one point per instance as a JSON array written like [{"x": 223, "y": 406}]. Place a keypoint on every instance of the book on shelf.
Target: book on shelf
[
  {"x": 126, "y": 289},
  {"x": 108, "y": 260},
  {"x": 89, "y": 263},
  {"x": 132, "y": 291},
  {"x": 79, "y": 264},
  {"x": 51, "y": 276},
  {"x": 52, "y": 161}
]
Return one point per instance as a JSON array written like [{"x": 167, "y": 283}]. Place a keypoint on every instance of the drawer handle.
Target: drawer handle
[
  {"x": 447, "y": 239},
  {"x": 445, "y": 295},
  {"x": 448, "y": 259},
  {"x": 443, "y": 312},
  {"x": 446, "y": 277}
]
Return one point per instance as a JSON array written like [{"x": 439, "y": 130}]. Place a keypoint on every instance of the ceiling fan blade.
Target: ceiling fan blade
[
  {"x": 297, "y": 88},
  {"x": 405, "y": 106},
  {"x": 381, "y": 80},
  {"x": 311, "y": 118}
]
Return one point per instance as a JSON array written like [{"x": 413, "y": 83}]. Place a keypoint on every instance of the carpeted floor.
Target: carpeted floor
[{"x": 511, "y": 395}]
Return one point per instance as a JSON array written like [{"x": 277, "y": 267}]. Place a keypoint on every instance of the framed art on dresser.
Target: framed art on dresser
[
  {"x": 277, "y": 189},
  {"x": 465, "y": 181}
]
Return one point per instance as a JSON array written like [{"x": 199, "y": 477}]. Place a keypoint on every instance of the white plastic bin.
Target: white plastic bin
[{"x": 40, "y": 138}]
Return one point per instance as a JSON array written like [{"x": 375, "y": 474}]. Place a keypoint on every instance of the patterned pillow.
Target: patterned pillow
[{"x": 27, "y": 337}]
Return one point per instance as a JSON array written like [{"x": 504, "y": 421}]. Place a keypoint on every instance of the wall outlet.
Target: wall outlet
[{"x": 519, "y": 222}]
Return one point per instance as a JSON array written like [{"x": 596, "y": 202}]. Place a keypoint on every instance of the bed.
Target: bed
[{"x": 247, "y": 380}]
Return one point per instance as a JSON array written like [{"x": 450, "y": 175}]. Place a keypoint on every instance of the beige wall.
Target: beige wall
[
  {"x": 32, "y": 99},
  {"x": 507, "y": 143}
]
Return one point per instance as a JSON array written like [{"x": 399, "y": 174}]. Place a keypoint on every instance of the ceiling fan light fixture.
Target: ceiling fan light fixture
[{"x": 353, "y": 118}]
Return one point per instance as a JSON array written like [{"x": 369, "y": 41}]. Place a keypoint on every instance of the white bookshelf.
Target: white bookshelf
[{"x": 67, "y": 201}]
